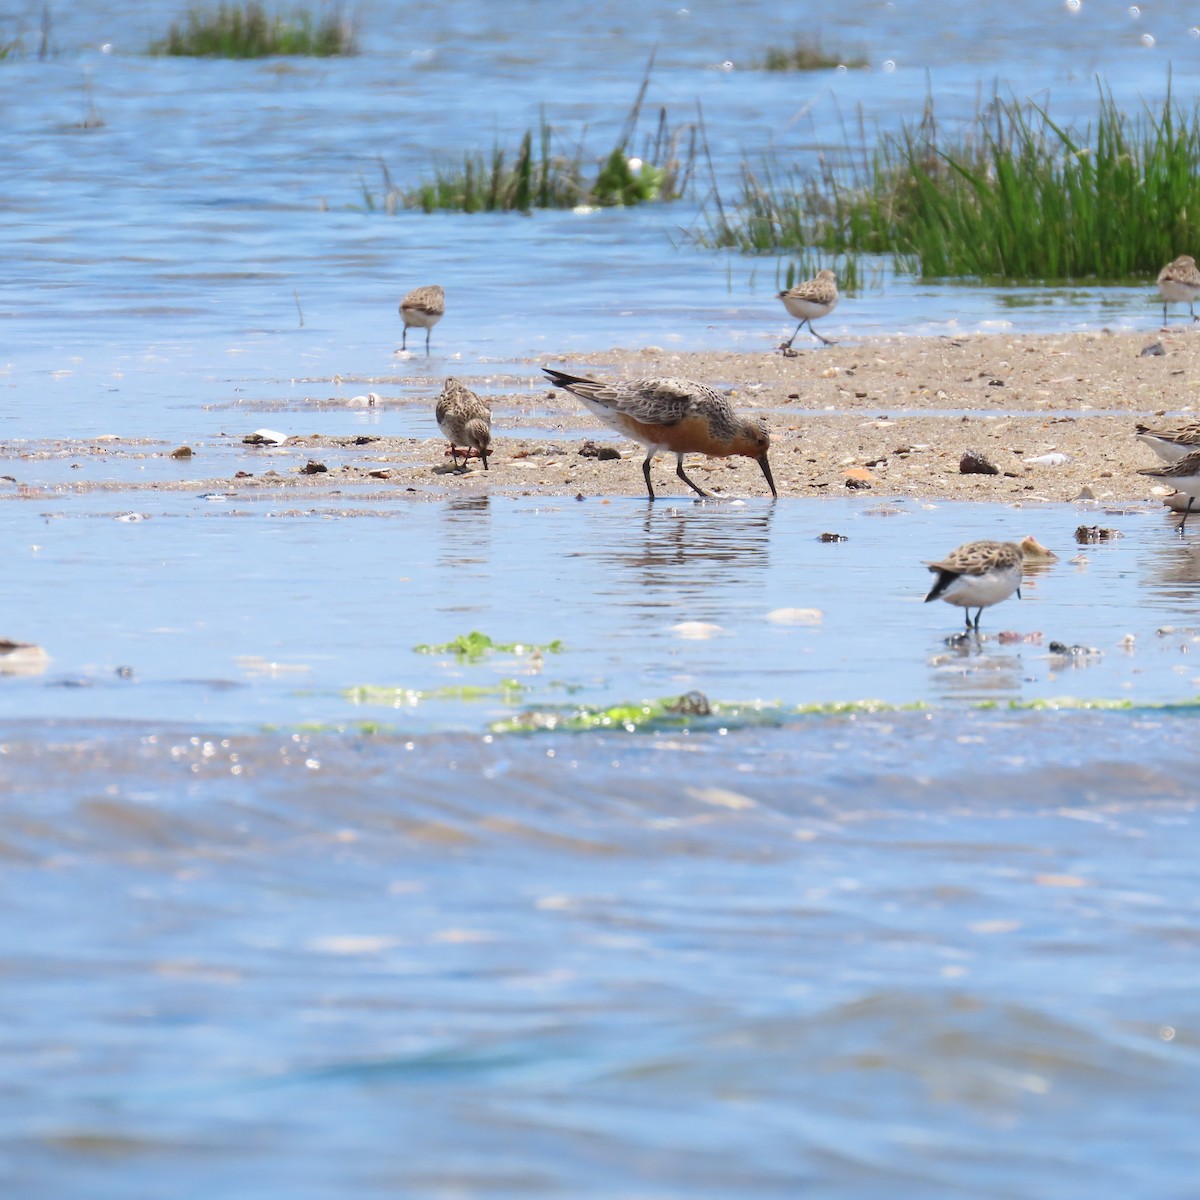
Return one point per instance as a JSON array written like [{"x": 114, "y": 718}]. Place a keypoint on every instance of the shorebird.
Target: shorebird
[
  {"x": 672, "y": 414},
  {"x": 977, "y": 575},
  {"x": 816, "y": 297},
  {"x": 1172, "y": 443},
  {"x": 422, "y": 308},
  {"x": 1184, "y": 476},
  {"x": 465, "y": 420},
  {"x": 1179, "y": 283}
]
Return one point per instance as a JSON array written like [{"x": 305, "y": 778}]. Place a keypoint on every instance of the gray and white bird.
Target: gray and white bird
[
  {"x": 816, "y": 297},
  {"x": 977, "y": 575},
  {"x": 1171, "y": 442},
  {"x": 465, "y": 420},
  {"x": 1184, "y": 476},
  {"x": 422, "y": 308},
  {"x": 1179, "y": 283}
]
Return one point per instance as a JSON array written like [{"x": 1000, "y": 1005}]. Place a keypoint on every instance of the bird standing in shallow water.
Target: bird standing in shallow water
[
  {"x": 816, "y": 297},
  {"x": 1179, "y": 283},
  {"x": 422, "y": 308},
  {"x": 977, "y": 575},
  {"x": 1184, "y": 476},
  {"x": 465, "y": 420},
  {"x": 672, "y": 414}
]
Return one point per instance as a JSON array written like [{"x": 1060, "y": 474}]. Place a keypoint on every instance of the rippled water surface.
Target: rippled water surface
[{"x": 289, "y": 916}]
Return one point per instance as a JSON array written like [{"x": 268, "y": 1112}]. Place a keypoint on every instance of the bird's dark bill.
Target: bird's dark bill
[{"x": 766, "y": 470}]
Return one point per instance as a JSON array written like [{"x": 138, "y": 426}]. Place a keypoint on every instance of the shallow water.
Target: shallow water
[
  {"x": 836, "y": 956},
  {"x": 252, "y": 608},
  {"x": 287, "y": 919}
]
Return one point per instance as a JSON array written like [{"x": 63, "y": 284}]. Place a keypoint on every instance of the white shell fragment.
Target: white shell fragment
[{"x": 1055, "y": 458}]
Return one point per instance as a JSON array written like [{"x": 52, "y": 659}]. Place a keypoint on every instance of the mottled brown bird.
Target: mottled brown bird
[
  {"x": 678, "y": 415},
  {"x": 465, "y": 420}
]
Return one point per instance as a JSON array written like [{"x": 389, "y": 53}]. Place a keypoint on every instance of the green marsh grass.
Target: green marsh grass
[
  {"x": 248, "y": 31},
  {"x": 1016, "y": 196},
  {"x": 540, "y": 172},
  {"x": 807, "y": 54}
]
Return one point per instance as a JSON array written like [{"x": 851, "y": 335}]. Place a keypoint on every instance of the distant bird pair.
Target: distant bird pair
[{"x": 663, "y": 414}]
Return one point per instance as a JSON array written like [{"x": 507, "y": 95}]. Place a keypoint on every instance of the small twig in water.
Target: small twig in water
[{"x": 296, "y": 294}]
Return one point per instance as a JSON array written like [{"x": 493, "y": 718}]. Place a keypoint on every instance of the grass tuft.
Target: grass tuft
[
  {"x": 248, "y": 31},
  {"x": 807, "y": 54},
  {"x": 1016, "y": 196},
  {"x": 540, "y": 173}
]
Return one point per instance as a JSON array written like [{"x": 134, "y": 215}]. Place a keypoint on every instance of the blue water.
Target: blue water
[{"x": 285, "y": 918}]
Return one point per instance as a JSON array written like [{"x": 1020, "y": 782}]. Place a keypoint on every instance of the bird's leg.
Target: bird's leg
[
  {"x": 404, "y": 338},
  {"x": 821, "y": 336},
  {"x": 1191, "y": 501},
  {"x": 967, "y": 616},
  {"x": 978, "y": 614},
  {"x": 1164, "y": 312},
  {"x": 788, "y": 344},
  {"x": 679, "y": 472},
  {"x": 428, "y": 331},
  {"x": 454, "y": 456},
  {"x": 483, "y": 455},
  {"x": 1192, "y": 310},
  {"x": 646, "y": 471}
]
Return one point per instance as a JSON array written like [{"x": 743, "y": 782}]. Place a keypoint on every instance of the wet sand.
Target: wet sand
[{"x": 894, "y": 415}]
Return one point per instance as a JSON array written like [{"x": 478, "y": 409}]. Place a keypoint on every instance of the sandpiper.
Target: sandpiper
[
  {"x": 672, "y": 414},
  {"x": 1184, "y": 476},
  {"x": 977, "y": 575},
  {"x": 816, "y": 297},
  {"x": 422, "y": 308},
  {"x": 1179, "y": 283},
  {"x": 1172, "y": 442},
  {"x": 465, "y": 420}
]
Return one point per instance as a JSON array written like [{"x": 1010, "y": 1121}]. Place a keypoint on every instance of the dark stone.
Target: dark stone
[
  {"x": 1154, "y": 350},
  {"x": 1088, "y": 534},
  {"x": 312, "y": 467},
  {"x": 832, "y": 537},
  {"x": 974, "y": 463}
]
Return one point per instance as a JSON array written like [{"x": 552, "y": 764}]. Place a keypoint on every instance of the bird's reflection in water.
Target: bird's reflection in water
[
  {"x": 465, "y": 549},
  {"x": 688, "y": 554},
  {"x": 1171, "y": 568},
  {"x": 972, "y": 666}
]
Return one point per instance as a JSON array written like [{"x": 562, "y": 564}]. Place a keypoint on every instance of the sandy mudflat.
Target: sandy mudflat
[{"x": 898, "y": 413}]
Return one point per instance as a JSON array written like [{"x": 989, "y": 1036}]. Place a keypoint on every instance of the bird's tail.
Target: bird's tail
[{"x": 563, "y": 380}]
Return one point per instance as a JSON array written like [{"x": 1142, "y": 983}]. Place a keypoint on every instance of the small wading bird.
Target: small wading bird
[
  {"x": 672, "y": 414},
  {"x": 1184, "y": 476},
  {"x": 978, "y": 575},
  {"x": 816, "y": 297},
  {"x": 422, "y": 308},
  {"x": 1179, "y": 283},
  {"x": 1172, "y": 443},
  {"x": 465, "y": 420}
]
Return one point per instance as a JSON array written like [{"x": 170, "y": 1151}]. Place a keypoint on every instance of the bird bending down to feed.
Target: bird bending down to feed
[
  {"x": 1173, "y": 442},
  {"x": 977, "y": 575},
  {"x": 465, "y": 420},
  {"x": 1184, "y": 476},
  {"x": 816, "y": 297},
  {"x": 1179, "y": 283},
  {"x": 672, "y": 414},
  {"x": 422, "y": 308}
]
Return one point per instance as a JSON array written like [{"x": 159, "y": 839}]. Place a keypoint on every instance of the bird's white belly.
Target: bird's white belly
[
  {"x": 980, "y": 591},
  {"x": 811, "y": 309},
  {"x": 1176, "y": 292},
  {"x": 1169, "y": 452}
]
